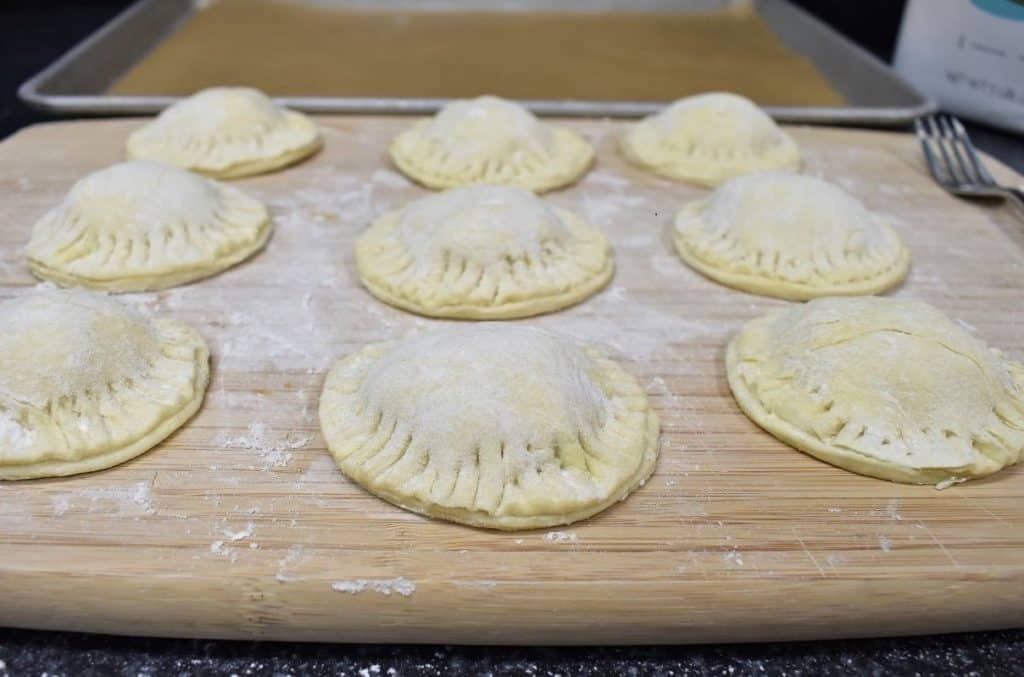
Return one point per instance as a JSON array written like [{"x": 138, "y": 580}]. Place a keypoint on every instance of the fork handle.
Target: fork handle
[{"x": 1016, "y": 196}]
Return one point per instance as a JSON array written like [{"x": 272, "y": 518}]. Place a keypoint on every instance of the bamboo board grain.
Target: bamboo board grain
[{"x": 240, "y": 526}]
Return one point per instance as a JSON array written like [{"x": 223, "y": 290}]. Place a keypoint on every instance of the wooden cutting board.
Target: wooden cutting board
[{"x": 239, "y": 525}]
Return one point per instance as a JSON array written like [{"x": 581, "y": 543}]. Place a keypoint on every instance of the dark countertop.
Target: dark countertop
[
  {"x": 34, "y": 33},
  {"x": 58, "y": 654}
]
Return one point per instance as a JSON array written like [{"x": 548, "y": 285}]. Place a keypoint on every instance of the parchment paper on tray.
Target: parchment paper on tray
[{"x": 294, "y": 48}]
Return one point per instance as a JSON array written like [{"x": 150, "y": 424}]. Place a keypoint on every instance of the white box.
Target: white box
[{"x": 969, "y": 55}]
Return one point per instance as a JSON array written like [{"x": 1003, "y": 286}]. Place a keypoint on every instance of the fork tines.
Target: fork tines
[{"x": 952, "y": 158}]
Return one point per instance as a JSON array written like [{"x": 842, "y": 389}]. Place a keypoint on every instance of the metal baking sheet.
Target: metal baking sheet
[{"x": 76, "y": 83}]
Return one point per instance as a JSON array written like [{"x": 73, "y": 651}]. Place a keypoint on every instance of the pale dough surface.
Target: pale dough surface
[
  {"x": 483, "y": 252},
  {"x": 143, "y": 225},
  {"x": 708, "y": 138},
  {"x": 783, "y": 234},
  {"x": 86, "y": 383},
  {"x": 226, "y": 133},
  {"x": 492, "y": 425},
  {"x": 884, "y": 387},
  {"x": 490, "y": 140}
]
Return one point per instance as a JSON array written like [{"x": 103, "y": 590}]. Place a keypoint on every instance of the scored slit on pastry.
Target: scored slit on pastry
[
  {"x": 225, "y": 133},
  {"x": 499, "y": 426},
  {"x": 86, "y": 383},
  {"x": 791, "y": 236},
  {"x": 708, "y": 138},
  {"x": 483, "y": 252},
  {"x": 490, "y": 140},
  {"x": 143, "y": 225},
  {"x": 889, "y": 388}
]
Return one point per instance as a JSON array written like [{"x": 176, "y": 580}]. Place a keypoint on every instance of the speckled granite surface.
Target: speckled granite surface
[{"x": 60, "y": 654}]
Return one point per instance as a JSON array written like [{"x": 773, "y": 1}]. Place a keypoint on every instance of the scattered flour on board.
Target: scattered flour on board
[
  {"x": 127, "y": 499},
  {"x": 667, "y": 265},
  {"x": 287, "y": 328},
  {"x": 561, "y": 537},
  {"x": 389, "y": 178},
  {"x": 383, "y": 586},
  {"x": 884, "y": 543},
  {"x": 476, "y": 585},
  {"x": 657, "y": 386},
  {"x": 61, "y": 504},
  {"x": 638, "y": 241},
  {"x": 308, "y": 412},
  {"x": 606, "y": 207},
  {"x": 291, "y": 558},
  {"x": 235, "y": 536},
  {"x": 891, "y": 511},
  {"x": 388, "y": 323},
  {"x": 733, "y": 558},
  {"x": 619, "y": 320},
  {"x": 272, "y": 454},
  {"x": 220, "y": 548},
  {"x": 833, "y": 560},
  {"x": 321, "y": 468},
  {"x": 330, "y": 196},
  {"x": 237, "y": 399},
  {"x": 287, "y": 336},
  {"x": 605, "y": 181}
]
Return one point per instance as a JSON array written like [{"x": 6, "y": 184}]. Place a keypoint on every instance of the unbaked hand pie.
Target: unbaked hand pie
[
  {"x": 490, "y": 140},
  {"x": 144, "y": 225},
  {"x": 493, "y": 425},
  {"x": 882, "y": 387},
  {"x": 708, "y": 138},
  {"x": 226, "y": 133},
  {"x": 796, "y": 237},
  {"x": 85, "y": 383},
  {"x": 483, "y": 251}
]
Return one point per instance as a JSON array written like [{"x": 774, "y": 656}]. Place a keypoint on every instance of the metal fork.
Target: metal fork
[{"x": 954, "y": 163}]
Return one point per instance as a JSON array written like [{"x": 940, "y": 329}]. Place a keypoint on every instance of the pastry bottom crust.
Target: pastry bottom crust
[
  {"x": 264, "y": 165},
  {"x": 579, "y": 157},
  {"x": 505, "y": 311},
  {"x": 114, "y": 457},
  {"x": 793, "y": 291},
  {"x": 152, "y": 282},
  {"x": 478, "y": 518},
  {"x": 700, "y": 172},
  {"x": 846, "y": 459},
  {"x": 248, "y": 167}
]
